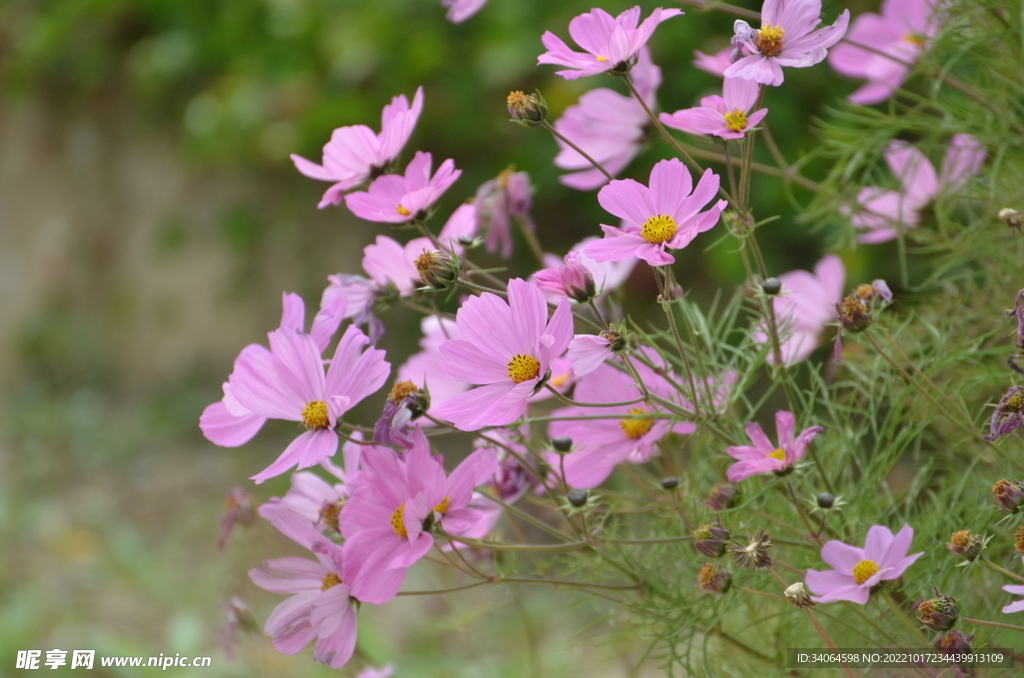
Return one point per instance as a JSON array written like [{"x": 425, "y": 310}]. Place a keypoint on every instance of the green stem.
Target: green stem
[
  {"x": 997, "y": 625},
  {"x": 546, "y": 125}
]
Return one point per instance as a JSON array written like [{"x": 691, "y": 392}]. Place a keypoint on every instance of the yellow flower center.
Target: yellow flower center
[
  {"x": 864, "y": 570},
  {"x": 314, "y": 415},
  {"x": 659, "y": 228},
  {"x": 330, "y": 580},
  {"x": 601, "y": 58},
  {"x": 736, "y": 120},
  {"x": 960, "y": 538},
  {"x": 443, "y": 506},
  {"x": 635, "y": 427},
  {"x": 403, "y": 211},
  {"x": 558, "y": 380},
  {"x": 1015, "y": 403},
  {"x": 400, "y": 391},
  {"x": 769, "y": 40},
  {"x": 914, "y": 38},
  {"x": 523, "y": 367},
  {"x": 396, "y": 521},
  {"x": 779, "y": 454}
]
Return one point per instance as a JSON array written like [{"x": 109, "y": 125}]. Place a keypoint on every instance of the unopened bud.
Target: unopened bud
[
  {"x": 711, "y": 539},
  {"x": 561, "y": 443},
  {"x": 1008, "y": 495},
  {"x": 771, "y": 286},
  {"x": 938, "y": 613},
  {"x": 965, "y": 544},
  {"x": 437, "y": 269},
  {"x": 1012, "y": 218},
  {"x": 577, "y": 497},
  {"x": 529, "y": 110},
  {"x": 826, "y": 500},
  {"x": 721, "y": 497},
  {"x": 670, "y": 483}
]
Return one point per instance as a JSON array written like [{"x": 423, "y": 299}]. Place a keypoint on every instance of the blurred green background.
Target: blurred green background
[{"x": 149, "y": 221}]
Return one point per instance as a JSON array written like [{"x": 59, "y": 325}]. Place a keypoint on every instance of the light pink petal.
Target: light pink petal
[
  {"x": 490, "y": 405},
  {"x": 288, "y": 575},
  {"x": 897, "y": 547},
  {"x": 1015, "y": 606},
  {"x": 627, "y": 199},
  {"x": 310, "y": 448},
  {"x": 528, "y": 311},
  {"x": 617, "y": 245},
  {"x": 757, "y": 68},
  {"x": 784, "y": 426},
  {"x": 739, "y": 93},
  {"x": 897, "y": 569},
  {"x": 670, "y": 182},
  {"x": 963, "y": 160},
  {"x": 760, "y": 440},
  {"x": 843, "y": 557},
  {"x": 335, "y": 647},
  {"x": 465, "y": 362},
  {"x": 223, "y": 428},
  {"x": 822, "y": 583}
]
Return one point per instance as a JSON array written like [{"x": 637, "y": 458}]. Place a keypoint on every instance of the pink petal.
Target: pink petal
[
  {"x": 310, "y": 448},
  {"x": 843, "y": 557}
]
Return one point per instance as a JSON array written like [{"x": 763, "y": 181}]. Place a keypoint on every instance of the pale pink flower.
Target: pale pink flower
[
  {"x": 497, "y": 201},
  {"x": 460, "y": 10},
  {"x": 900, "y": 32},
  {"x": 764, "y": 457},
  {"x": 786, "y": 38},
  {"x": 395, "y": 198},
  {"x": 1017, "y": 605},
  {"x": 288, "y": 382},
  {"x": 611, "y": 43},
  {"x": 319, "y": 607},
  {"x": 806, "y": 303},
  {"x": 508, "y": 347},
  {"x": 665, "y": 215},
  {"x": 589, "y": 351},
  {"x": 716, "y": 63},
  {"x": 355, "y": 154},
  {"x": 883, "y": 212},
  {"x": 385, "y": 521},
  {"x": 608, "y": 275},
  {"x": 608, "y": 126},
  {"x": 572, "y": 280},
  {"x": 460, "y": 225},
  {"x": 388, "y": 262},
  {"x": 855, "y": 570},
  {"x": 727, "y": 117}
]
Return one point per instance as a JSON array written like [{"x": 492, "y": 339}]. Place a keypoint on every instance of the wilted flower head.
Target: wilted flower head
[
  {"x": 1008, "y": 494},
  {"x": 856, "y": 570},
  {"x": 237, "y": 617},
  {"x": 1018, "y": 313},
  {"x": 612, "y": 43},
  {"x": 1008, "y": 415},
  {"x": 721, "y": 496},
  {"x": 763, "y": 456},
  {"x": 527, "y": 109},
  {"x": 786, "y": 38},
  {"x": 727, "y": 116},
  {"x": 237, "y": 509},
  {"x": 938, "y": 613},
  {"x": 856, "y": 310},
  {"x": 714, "y": 578},
  {"x": 965, "y": 544},
  {"x": 797, "y": 594},
  {"x": 1012, "y": 218},
  {"x": 954, "y": 641},
  {"x": 404, "y": 404},
  {"x": 755, "y": 553},
  {"x": 497, "y": 201},
  {"x": 711, "y": 539}
]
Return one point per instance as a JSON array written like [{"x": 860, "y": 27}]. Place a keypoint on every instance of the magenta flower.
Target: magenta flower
[
  {"x": 855, "y": 570},
  {"x": 786, "y": 38},
  {"x": 508, "y": 347},
  {"x": 611, "y": 43},
  {"x": 1017, "y": 605},
  {"x": 288, "y": 382},
  {"x": 900, "y": 32},
  {"x": 385, "y": 521},
  {"x": 882, "y": 212},
  {"x": 657, "y": 218},
  {"x": 805, "y": 305},
  {"x": 320, "y": 606},
  {"x": 763, "y": 457},
  {"x": 497, "y": 201},
  {"x": 608, "y": 126},
  {"x": 727, "y": 117},
  {"x": 716, "y": 63},
  {"x": 601, "y": 444},
  {"x": 355, "y": 153},
  {"x": 395, "y": 199},
  {"x": 460, "y": 10}
]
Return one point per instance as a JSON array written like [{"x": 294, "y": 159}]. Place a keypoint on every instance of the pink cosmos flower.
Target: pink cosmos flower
[
  {"x": 395, "y": 199},
  {"x": 611, "y": 43},
  {"x": 900, "y": 31},
  {"x": 855, "y": 570},
  {"x": 727, "y": 117},
  {"x": 1017, "y": 605},
  {"x": 320, "y": 606},
  {"x": 572, "y": 280},
  {"x": 508, "y": 347},
  {"x": 388, "y": 519},
  {"x": 786, "y": 38},
  {"x": 804, "y": 306},
  {"x": 229, "y": 423},
  {"x": 608, "y": 126},
  {"x": 355, "y": 153},
  {"x": 763, "y": 457},
  {"x": 288, "y": 382},
  {"x": 460, "y": 10},
  {"x": 497, "y": 201},
  {"x": 601, "y": 444},
  {"x": 389, "y": 262},
  {"x": 656, "y": 218},
  {"x": 608, "y": 276},
  {"x": 883, "y": 212},
  {"x": 716, "y": 63}
]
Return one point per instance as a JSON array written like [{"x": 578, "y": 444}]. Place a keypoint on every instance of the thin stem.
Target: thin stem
[
  {"x": 531, "y": 240},
  {"x": 998, "y": 625},
  {"x": 453, "y": 589},
  {"x": 546, "y": 125},
  {"x": 800, "y": 510},
  {"x": 569, "y": 401},
  {"x": 1000, "y": 570},
  {"x": 906, "y": 622}
]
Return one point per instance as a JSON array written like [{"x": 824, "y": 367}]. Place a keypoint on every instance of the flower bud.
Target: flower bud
[
  {"x": 529, "y": 110},
  {"x": 669, "y": 483},
  {"x": 561, "y": 443},
  {"x": 965, "y": 544},
  {"x": 721, "y": 497},
  {"x": 1008, "y": 415},
  {"x": 939, "y": 613},
  {"x": 577, "y": 497},
  {"x": 954, "y": 641},
  {"x": 437, "y": 269},
  {"x": 1008, "y": 495},
  {"x": 714, "y": 578},
  {"x": 771, "y": 286},
  {"x": 616, "y": 342},
  {"x": 826, "y": 500},
  {"x": 711, "y": 539},
  {"x": 1012, "y": 218},
  {"x": 797, "y": 594},
  {"x": 577, "y": 280}
]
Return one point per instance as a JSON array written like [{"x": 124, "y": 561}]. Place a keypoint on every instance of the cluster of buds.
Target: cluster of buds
[
  {"x": 1008, "y": 415},
  {"x": 856, "y": 310},
  {"x": 965, "y": 544},
  {"x": 755, "y": 553},
  {"x": 529, "y": 110},
  {"x": 1008, "y": 494},
  {"x": 711, "y": 539},
  {"x": 721, "y": 497},
  {"x": 714, "y": 578},
  {"x": 438, "y": 270},
  {"x": 938, "y": 613}
]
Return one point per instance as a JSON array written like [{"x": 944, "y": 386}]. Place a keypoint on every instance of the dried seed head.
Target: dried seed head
[
  {"x": 755, "y": 553},
  {"x": 714, "y": 578},
  {"x": 797, "y": 594}
]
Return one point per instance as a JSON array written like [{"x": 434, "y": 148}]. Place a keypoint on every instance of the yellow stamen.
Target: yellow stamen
[
  {"x": 443, "y": 506},
  {"x": 736, "y": 120},
  {"x": 864, "y": 570},
  {"x": 769, "y": 40},
  {"x": 914, "y": 38},
  {"x": 1015, "y": 403},
  {"x": 636, "y": 427},
  {"x": 558, "y": 380},
  {"x": 314, "y": 415},
  {"x": 779, "y": 454},
  {"x": 601, "y": 58},
  {"x": 400, "y": 391},
  {"x": 659, "y": 228},
  {"x": 396, "y": 521},
  {"x": 523, "y": 367},
  {"x": 960, "y": 538},
  {"x": 403, "y": 211},
  {"x": 330, "y": 581}
]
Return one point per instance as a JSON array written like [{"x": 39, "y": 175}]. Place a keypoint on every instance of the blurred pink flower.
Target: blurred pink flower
[
  {"x": 716, "y": 63},
  {"x": 663, "y": 216},
  {"x": 855, "y": 570},
  {"x": 389, "y": 670},
  {"x": 611, "y": 43},
  {"x": 395, "y": 198},
  {"x": 459, "y": 11},
  {"x": 900, "y": 32},
  {"x": 725, "y": 116},
  {"x": 508, "y": 347},
  {"x": 786, "y": 38},
  {"x": 608, "y": 126},
  {"x": 355, "y": 154},
  {"x": 763, "y": 457},
  {"x": 806, "y": 303},
  {"x": 497, "y": 201}
]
